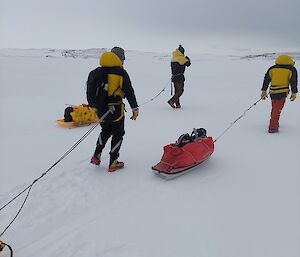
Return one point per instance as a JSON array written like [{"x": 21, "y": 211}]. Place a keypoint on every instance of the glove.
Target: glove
[
  {"x": 293, "y": 96},
  {"x": 263, "y": 94},
  {"x": 188, "y": 63},
  {"x": 135, "y": 113}
]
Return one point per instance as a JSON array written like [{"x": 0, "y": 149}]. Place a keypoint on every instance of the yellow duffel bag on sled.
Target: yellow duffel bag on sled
[{"x": 77, "y": 116}]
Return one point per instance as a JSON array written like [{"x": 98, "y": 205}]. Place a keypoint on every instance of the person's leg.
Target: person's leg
[
  {"x": 117, "y": 137},
  {"x": 178, "y": 92},
  {"x": 172, "y": 99},
  {"x": 105, "y": 134},
  {"x": 180, "y": 89},
  {"x": 277, "y": 106}
]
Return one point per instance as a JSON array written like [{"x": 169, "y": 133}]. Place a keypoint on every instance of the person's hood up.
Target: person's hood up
[
  {"x": 109, "y": 59},
  {"x": 284, "y": 59},
  {"x": 177, "y": 56}
]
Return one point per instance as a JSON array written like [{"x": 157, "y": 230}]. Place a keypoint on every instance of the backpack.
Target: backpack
[
  {"x": 96, "y": 88},
  {"x": 67, "y": 115}
]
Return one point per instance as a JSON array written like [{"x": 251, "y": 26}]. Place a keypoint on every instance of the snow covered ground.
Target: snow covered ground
[{"x": 242, "y": 202}]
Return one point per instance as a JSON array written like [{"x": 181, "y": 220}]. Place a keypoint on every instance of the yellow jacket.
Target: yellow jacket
[
  {"x": 281, "y": 76},
  {"x": 177, "y": 56},
  {"x": 118, "y": 85}
]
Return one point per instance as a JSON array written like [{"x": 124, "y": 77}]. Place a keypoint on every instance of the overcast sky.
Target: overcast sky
[{"x": 157, "y": 25}]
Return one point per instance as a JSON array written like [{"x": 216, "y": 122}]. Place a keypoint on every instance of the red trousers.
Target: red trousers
[{"x": 277, "y": 106}]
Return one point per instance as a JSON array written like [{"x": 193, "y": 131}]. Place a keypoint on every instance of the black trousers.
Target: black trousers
[{"x": 114, "y": 129}]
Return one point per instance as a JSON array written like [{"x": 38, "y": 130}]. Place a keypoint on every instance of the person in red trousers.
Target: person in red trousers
[{"x": 282, "y": 78}]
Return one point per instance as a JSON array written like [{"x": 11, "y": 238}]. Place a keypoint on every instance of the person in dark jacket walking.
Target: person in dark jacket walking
[
  {"x": 178, "y": 64},
  {"x": 283, "y": 77},
  {"x": 118, "y": 87}
]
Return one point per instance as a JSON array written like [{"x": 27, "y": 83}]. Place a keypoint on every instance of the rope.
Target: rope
[
  {"x": 60, "y": 159},
  {"x": 74, "y": 146},
  {"x": 40, "y": 177},
  {"x": 236, "y": 120},
  {"x": 151, "y": 99},
  {"x": 18, "y": 211}
]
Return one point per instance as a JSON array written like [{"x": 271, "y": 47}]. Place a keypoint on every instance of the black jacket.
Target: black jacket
[{"x": 178, "y": 70}]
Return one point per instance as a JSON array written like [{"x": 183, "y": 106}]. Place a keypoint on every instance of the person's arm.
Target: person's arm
[
  {"x": 267, "y": 81},
  {"x": 188, "y": 63},
  {"x": 129, "y": 91},
  {"x": 265, "y": 85},
  {"x": 294, "y": 80},
  {"x": 130, "y": 96}
]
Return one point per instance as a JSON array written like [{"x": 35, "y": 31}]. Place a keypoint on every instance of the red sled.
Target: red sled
[{"x": 188, "y": 152}]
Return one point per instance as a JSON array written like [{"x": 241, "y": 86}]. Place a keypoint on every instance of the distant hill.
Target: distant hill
[{"x": 271, "y": 56}]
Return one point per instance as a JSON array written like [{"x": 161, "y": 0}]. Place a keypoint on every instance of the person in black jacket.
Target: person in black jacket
[
  {"x": 178, "y": 64},
  {"x": 118, "y": 87}
]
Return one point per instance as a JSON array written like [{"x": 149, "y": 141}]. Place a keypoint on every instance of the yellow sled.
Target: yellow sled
[
  {"x": 78, "y": 116},
  {"x": 72, "y": 124}
]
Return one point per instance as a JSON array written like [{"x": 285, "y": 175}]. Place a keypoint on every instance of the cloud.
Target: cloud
[{"x": 148, "y": 24}]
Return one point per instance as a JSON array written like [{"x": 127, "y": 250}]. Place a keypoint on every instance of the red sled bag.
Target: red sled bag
[{"x": 188, "y": 152}]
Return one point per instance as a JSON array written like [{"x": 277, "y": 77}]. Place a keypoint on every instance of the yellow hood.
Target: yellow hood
[
  {"x": 109, "y": 59},
  {"x": 177, "y": 56},
  {"x": 284, "y": 60}
]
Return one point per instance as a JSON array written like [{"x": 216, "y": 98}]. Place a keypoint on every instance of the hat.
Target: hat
[
  {"x": 119, "y": 52},
  {"x": 181, "y": 49}
]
